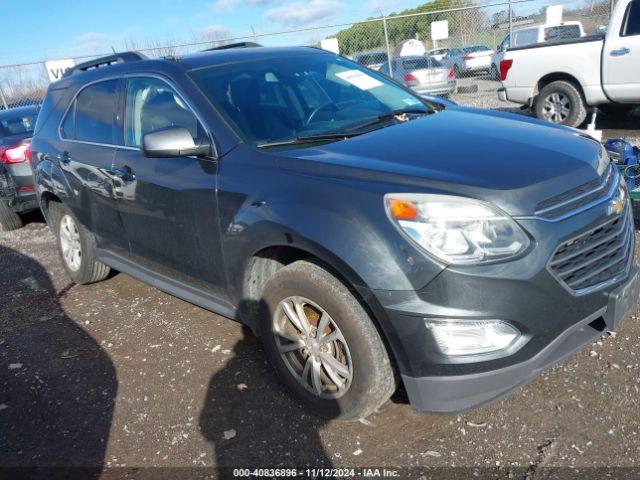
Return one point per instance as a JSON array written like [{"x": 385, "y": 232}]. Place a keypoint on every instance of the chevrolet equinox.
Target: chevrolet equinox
[{"x": 370, "y": 236}]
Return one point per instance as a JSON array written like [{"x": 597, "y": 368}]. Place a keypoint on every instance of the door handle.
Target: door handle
[
  {"x": 64, "y": 158},
  {"x": 125, "y": 174},
  {"x": 620, "y": 52}
]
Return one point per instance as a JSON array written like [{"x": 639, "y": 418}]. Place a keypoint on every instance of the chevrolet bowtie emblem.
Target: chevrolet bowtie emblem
[{"x": 616, "y": 206}]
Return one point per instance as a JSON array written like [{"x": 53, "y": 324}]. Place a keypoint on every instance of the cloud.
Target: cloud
[
  {"x": 295, "y": 14},
  {"x": 213, "y": 32},
  {"x": 94, "y": 42},
  {"x": 226, "y": 5}
]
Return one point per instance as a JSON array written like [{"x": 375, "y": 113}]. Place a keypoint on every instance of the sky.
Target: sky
[
  {"x": 34, "y": 30},
  {"x": 46, "y": 29}
]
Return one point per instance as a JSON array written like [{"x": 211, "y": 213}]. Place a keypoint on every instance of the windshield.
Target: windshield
[
  {"x": 17, "y": 124},
  {"x": 280, "y": 99}
]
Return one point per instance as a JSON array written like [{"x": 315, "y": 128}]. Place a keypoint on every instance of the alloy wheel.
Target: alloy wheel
[
  {"x": 556, "y": 107},
  {"x": 312, "y": 347},
  {"x": 70, "y": 243}
]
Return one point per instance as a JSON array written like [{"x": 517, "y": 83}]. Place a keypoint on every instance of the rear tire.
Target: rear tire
[
  {"x": 561, "y": 102},
  {"x": 9, "y": 220},
  {"x": 77, "y": 246},
  {"x": 348, "y": 370}
]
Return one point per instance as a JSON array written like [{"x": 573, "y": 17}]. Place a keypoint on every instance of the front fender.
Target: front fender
[{"x": 342, "y": 222}]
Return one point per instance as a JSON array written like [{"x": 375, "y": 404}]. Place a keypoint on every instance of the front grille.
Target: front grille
[
  {"x": 597, "y": 257},
  {"x": 578, "y": 197}
]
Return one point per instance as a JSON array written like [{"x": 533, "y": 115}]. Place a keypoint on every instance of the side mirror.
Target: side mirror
[{"x": 172, "y": 142}]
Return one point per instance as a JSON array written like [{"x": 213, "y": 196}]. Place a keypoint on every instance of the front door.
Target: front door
[
  {"x": 168, "y": 205},
  {"x": 621, "y": 58}
]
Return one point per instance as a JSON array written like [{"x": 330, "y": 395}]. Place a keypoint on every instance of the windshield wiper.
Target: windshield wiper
[
  {"x": 385, "y": 117},
  {"x": 310, "y": 138},
  {"x": 351, "y": 131}
]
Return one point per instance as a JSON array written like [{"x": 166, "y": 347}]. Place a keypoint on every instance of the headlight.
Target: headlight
[
  {"x": 456, "y": 230},
  {"x": 472, "y": 337}
]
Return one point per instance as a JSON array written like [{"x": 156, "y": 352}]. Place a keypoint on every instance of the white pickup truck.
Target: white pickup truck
[{"x": 560, "y": 80}]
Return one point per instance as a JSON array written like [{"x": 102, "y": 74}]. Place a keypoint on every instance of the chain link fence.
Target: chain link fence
[{"x": 470, "y": 52}]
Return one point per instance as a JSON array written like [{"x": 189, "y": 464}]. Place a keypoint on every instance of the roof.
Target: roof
[
  {"x": 182, "y": 63},
  {"x": 232, "y": 55}
]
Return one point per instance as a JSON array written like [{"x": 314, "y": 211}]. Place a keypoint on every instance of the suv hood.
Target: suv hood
[{"x": 510, "y": 160}]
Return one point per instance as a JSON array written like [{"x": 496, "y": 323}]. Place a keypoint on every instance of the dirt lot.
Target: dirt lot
[{"x": 121, "y": 375}]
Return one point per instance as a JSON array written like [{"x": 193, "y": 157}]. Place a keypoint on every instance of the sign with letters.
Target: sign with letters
[{"x": 57, "y": 68}]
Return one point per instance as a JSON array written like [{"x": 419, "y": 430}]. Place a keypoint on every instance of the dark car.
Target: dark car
[
  {"x": 17, "y": 192},
  {"x": 369, "y": 236}
]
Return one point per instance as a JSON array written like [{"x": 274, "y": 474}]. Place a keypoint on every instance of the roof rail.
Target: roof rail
[
  {"x": 234, "y": 45},
  {"x": 106, "y": 61}
]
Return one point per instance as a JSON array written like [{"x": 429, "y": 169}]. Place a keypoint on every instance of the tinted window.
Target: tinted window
[
  {"x": 94, "y": 112},
  {"x": 322, "y": 93},
  {"x": 561, "y": 32},
  {"x": 631, "y": 24},
  {"x": 420, "y": 63},
  {"x": 17, "y": 123},
  {"x": 152, "y": 104}
]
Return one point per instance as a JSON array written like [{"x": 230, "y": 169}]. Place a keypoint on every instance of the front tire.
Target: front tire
[
  {"x": 561, "y": 102},
  {"x": 323, "y": 345},
  {"x": 77, "y": 246},
  {"x": 9, "y": 220}
]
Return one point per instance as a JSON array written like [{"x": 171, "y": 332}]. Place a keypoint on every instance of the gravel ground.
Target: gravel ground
[{"x": 122, "y": 376}]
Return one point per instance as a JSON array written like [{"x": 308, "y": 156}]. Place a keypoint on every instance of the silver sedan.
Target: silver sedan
[{"x": 424, "y": 75}]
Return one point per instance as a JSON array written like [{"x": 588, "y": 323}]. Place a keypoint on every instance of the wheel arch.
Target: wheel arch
[
  {"x": 557, "y": 76},
  {"x": 266, "y": 261}
]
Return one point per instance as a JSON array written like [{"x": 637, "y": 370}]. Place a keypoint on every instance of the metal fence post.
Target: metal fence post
[
  {"x": 510, "y": 22},
  {"x": 386, "y": 41},
  {"x": 4, "y": 100}
]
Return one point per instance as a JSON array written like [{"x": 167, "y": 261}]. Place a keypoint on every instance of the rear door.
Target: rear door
[
  {"x": 621, "y": 58},
  {"x": 168, "y": 205},
  {"x": 86, "y": 155}
]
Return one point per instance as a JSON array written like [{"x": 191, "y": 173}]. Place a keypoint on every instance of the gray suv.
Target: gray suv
[{"x": 370, "y": 237}]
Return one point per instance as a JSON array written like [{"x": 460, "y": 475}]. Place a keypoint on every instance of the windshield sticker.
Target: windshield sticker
[
  {"x": 359, "y": 79},
  {"x": 411, "y": 101}
]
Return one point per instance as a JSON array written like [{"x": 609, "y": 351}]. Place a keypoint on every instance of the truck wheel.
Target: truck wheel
[
  {"x": 77, "y": 246},
  {"x": 9, "y": 220},
  {"x": 560, "y": 102},
  {"x": 322, "y": 343}
]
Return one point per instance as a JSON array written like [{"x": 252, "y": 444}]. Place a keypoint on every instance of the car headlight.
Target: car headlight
[{"x": 456, "y": 230}]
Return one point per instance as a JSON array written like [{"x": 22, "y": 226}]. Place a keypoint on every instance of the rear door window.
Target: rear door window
[
  {"x": 631, "y": 23},
  {"x": 91, "y": 117}
]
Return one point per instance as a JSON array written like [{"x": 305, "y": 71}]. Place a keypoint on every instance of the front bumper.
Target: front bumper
[
  {"x": 454, "y": 393},
  {"x": 553, "y": 320}
]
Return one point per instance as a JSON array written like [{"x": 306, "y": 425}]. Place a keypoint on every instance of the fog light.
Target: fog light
[{"x": 472, "y": 337}]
